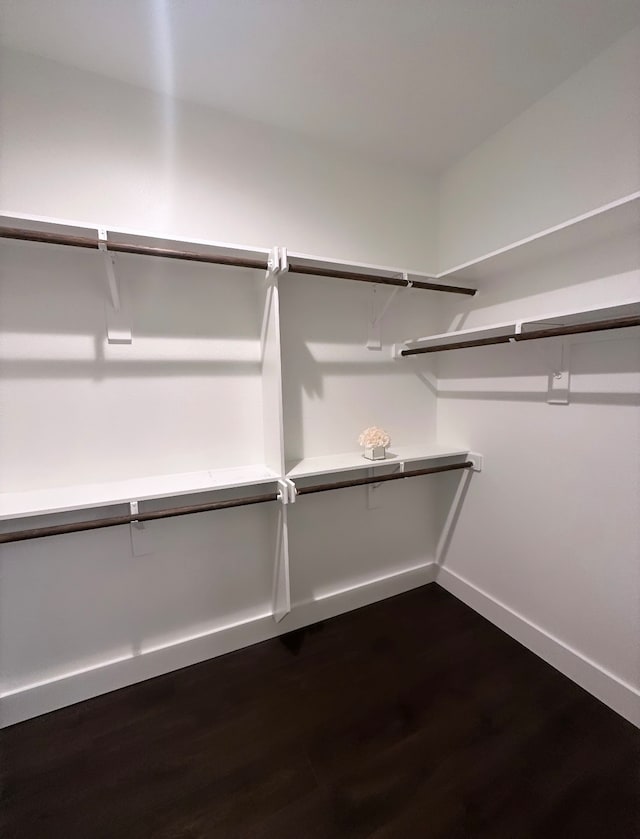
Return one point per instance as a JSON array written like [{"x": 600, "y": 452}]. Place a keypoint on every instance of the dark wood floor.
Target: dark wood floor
[{"x": 413, "y": 717}]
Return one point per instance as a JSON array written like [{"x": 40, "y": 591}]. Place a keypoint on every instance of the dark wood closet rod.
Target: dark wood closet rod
[
  {"x": 121, "y": 247},
  {"x": 551, "y": 332},
  {"x": 220, "y": 259},
  {"x": 373, "y": 278},
  {"x": 115, "y": 521},
  {"x": 379, "y": 479}
]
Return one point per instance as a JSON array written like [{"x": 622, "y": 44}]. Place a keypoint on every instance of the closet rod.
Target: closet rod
[
  {"x": 121, "y": 247},
  {"x": 551, "y": 332},
  {"x": 114, "y": 521},
  {"x": 336, "y": 273},
  {"x": 219, "y": 259},
  {"x": 378, "y": 479}
]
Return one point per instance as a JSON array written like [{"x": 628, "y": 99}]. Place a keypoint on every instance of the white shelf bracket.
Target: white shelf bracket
[
  {"x": 287, "y": 492},
  {"x": 118, "y": 321},
  {"x": 141, "y": 544},
  {"x": 375, "y": 492},
  {"x": 559, "y": 381},
  {"x": 376, "y": 316},
  {"x": 517, "y": 330},
  {"x": 374, "y": 501},
  {"x": 559, "y": 384},
  {"x": 477, "y": 460}
]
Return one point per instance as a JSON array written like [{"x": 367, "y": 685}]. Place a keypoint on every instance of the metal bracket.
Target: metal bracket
[
  {"x": 517, "y": 331},
  {"x": 278, "y": 262},
  {"x": 141, "y": 544},
  {"x": 374, "y": 336},
  {"x": 560, "y": 378},
  {"x": 559, "y": 374},
  {"x": 273, "y": 263},
  {"x": 373, "y": 498},
  {"x": 118, "y": 321},
  {"x": 287, "y": 492},
  {"x": 375, "y": 493},
  {"x": 477, "y": 460}
]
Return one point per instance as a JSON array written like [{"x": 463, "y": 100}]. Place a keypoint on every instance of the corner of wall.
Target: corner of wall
[{"x": 547, "y": 165}]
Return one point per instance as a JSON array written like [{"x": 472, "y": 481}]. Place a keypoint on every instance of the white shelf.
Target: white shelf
[
  {"x": 351, "y": 461},
  {"x": 328, "y": 263},
  {"x": 122, "y": 235},
  {"x": 611, "y": 219},
  {"x": 85, "y": 496},
  {"x": 624, "y": 308}
]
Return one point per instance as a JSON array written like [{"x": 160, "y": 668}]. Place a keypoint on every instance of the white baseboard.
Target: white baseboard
[
  {"x": 35, "y": 699},
  {"x": 604, "y": 685}
]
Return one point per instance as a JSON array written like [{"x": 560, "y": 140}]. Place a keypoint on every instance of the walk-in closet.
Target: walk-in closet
[{"x": 319, "y": 419}]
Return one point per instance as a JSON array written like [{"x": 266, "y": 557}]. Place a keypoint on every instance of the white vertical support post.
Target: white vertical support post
[
  {"x": 281, "y": 579},
  {"x": 141, "y": 544},
  {"x": 453, "y": 513},
  {"x": 271, "y": 370},
  {"x": 117, "y": 318}
]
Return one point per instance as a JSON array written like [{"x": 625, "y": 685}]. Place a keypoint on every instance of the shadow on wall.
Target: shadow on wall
[{"x": 629, "y": 399}]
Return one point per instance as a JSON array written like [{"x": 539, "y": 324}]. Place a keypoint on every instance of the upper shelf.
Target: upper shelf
[
  {"x": 492, "y": 333},
  {"x": 40, "y": 502},
  {"x": 136, "y": 241},
  {"x": 611, "y": 219},
  {"x": 351, "y": 461},
  {"x": 300, "y": 263},
  {"x": 81, "y": 235}
]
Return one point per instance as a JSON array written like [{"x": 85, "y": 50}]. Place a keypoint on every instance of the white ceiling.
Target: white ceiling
[{"x": 417, "y": 81}]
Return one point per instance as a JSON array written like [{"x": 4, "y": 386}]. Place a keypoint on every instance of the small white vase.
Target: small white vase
[{"x": 375, "y": 453}]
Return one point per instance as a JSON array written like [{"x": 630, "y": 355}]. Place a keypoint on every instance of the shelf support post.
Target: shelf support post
[{"x": 281, "y": 579}]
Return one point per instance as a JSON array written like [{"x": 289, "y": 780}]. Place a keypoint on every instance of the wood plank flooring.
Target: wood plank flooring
[{"x": 413, "y": 717}]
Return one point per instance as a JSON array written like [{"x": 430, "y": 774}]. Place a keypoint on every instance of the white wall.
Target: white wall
[
  {"x": 547, "y": 543},
  {"x": 77, "y": 410},
  {"x": 78, "y": 146},
  {"x": 552, "y": 529},
  {"x": 576, "y": 149},
  {"x": 334, "y": 385},
  {"x": 82, "y": 615}
]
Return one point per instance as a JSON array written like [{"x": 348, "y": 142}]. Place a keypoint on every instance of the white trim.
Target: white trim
[
  {"x": 32, "y": 700},
  {"x": 597, "y": 680}
]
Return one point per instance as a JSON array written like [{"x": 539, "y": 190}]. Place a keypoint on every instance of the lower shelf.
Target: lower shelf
[
  {"x": 351, "y": 461},
  {"x": 40, "y": 502}
]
